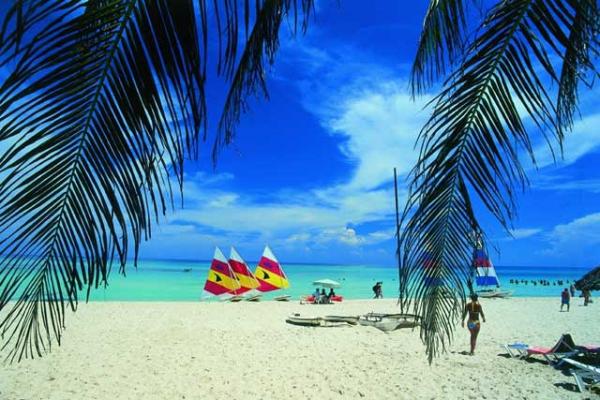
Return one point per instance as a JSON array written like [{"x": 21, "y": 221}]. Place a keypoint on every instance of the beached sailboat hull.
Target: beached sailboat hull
[
  {"x": 494, "y": 294},
  {"x": 389, "y": 322}
]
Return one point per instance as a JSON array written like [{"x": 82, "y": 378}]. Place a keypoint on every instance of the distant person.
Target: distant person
[
  {"x": 572, "y": 290},
  {"x": 331, "y": 294},
  {"x": 586, "y": 296},
  {"x": 377, "y": 290},
  {"x": 473, "y": 309},
  {"x": 316, "y": 294},
  {"x": 565, "y": 299},
  {"x": 323, "y": 297}
]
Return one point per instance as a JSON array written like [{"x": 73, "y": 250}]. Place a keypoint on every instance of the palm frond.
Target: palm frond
[
  {"x": 104, "y": 100},
  {"x": 102, "y": 104},
  {"x": 260, "y": 49},
  {"x": 442, "y": 40},
  {"x": 578, "y": 61},
  {"x": 471, "y": 146}
]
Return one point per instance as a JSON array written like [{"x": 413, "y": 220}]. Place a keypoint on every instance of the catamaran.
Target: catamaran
[
  {"x": 221, "y": 280},
  {"x": 246, "y": 279},
  {"x": 486, "y": 278},
  {"x": 270, "y": 275}
]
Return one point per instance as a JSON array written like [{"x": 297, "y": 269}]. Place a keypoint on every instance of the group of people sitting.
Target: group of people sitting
[{"x": 321, "y": 297}]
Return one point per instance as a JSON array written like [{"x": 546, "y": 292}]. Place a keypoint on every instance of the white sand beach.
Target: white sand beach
[{"x": 247, "y": 351}]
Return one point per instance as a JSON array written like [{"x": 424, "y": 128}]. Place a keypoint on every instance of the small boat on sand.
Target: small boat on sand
[
  {"x": 328, "y": 321},
  {"x": 270, "y": 276},
  {"x": 389, "y": 322}
]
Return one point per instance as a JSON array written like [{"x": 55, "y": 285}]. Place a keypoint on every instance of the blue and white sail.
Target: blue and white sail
[
  {"x": 485, "y": 271},
  {"x": 485, "y": 276}
]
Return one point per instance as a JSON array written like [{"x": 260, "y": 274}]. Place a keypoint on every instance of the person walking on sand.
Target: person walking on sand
[
  {"x": 572, "y": 290},
  {"x": 473, "y": 309},
  {"x": 378, "y": 291},
  {"x": 565, "y": 299}
]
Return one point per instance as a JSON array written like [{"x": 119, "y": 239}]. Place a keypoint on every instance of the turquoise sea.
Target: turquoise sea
[{"x": 184, "y": 280}]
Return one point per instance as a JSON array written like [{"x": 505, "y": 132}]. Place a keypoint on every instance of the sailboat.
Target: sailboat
[
  {"x": 245, "y": 277},
  {"x": 221, "y": 280},
  {"x": 270, "y": 275},
  {"x": 486, "y": 278}
]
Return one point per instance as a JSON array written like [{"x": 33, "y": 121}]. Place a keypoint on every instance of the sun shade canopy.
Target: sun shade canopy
[{"x": 328, "y": 283}]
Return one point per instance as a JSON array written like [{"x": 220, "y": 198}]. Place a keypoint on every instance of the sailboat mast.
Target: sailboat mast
[{"x": 400, "y": 273}]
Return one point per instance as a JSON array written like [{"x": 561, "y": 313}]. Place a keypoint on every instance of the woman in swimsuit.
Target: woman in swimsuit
[{"x": 473, "y": 309}]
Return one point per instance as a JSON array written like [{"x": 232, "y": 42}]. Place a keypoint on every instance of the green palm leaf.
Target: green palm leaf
[
  {"x": 471, "y": 145},
  {"x": 441, "y": 42},
  {"x": 104, "y": 101}
]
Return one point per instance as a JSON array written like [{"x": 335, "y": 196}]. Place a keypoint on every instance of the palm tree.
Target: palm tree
[
  {"x": 105, "y": 99},
  {"x": 471, "y": 146}
]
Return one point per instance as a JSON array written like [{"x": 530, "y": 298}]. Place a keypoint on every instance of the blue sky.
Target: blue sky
[{"x": 310, "y": 172}]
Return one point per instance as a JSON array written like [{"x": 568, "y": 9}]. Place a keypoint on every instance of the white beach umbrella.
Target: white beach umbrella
[{"x": 328, "y": 283}]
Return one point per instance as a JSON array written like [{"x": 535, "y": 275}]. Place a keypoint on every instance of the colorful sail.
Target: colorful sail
[
  {"x": 269, "y": 273},
  {"x": 242, "y": 273},
  {"x": 221, "y": 279},
  {"x": 485, "y": 271}
]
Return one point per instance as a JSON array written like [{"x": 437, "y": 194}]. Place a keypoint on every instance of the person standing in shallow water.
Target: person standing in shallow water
[{"x": 473, "y": 309}]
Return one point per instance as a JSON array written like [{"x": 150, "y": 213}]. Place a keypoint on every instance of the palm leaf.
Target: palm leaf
[
  {"x": 441, "y": 42},
  {"x": 472, "y": 142},
  {"x": 260, "y": 49},
  {"x": 104, "y": 101}
]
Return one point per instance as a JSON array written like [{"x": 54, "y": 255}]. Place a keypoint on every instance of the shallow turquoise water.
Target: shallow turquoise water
[{"x": 167, "y": 281}]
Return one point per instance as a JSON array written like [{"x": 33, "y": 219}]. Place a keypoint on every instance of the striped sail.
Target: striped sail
[
  {"x": 221, "y": 279},
  {"x": 242, "y": 273},
  {"x": 269, "y": 273},
  {"x": 485, "y": 271}
]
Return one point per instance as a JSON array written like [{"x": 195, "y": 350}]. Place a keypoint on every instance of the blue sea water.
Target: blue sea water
[{"x": 184, "y": 280}]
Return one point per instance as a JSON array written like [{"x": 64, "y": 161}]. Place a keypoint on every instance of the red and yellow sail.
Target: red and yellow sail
[
  {"x": 242, "y": 273},
  {"x": 269, "y": 273},
  {"x": 221, "y": 279}
]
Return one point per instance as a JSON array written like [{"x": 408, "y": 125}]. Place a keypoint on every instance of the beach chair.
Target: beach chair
[
  {"x": 584, "y": 372},
  {"x": 565, "y": 347}
]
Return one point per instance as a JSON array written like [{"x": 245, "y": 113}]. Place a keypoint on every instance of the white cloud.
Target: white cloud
[
  {"x": 380, "y": 125},
  {"x": 524, "y": 232},
  {"x": 340, "y": 235},
  {"x": 584, "y": 139},
  {"x": 565, "y": 183},
  {"x": 372, "y": 112},
  {"x": 571, "y": 240}
]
